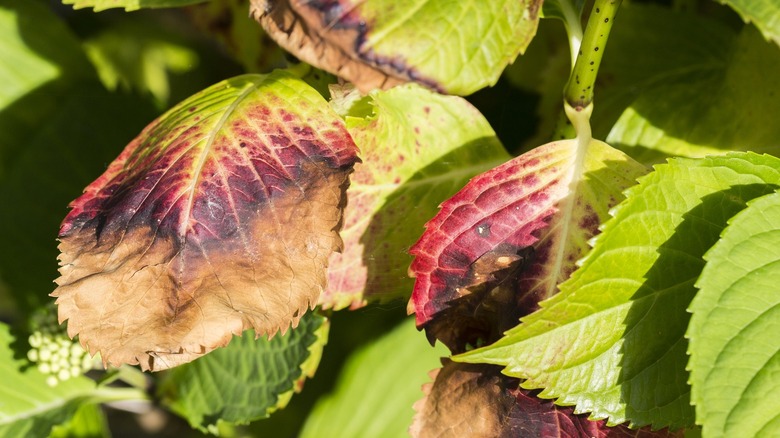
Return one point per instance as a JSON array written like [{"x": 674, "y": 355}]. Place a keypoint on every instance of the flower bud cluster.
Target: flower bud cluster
[{"x": 55, "y": 355}]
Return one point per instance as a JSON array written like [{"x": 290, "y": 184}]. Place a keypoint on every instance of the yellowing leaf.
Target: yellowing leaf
[{"x": 219, "y": 217}]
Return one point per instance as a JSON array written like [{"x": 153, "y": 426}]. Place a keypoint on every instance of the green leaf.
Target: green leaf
[
  {"x": 40, "y": 59},
  {"x": 375, "y": 391},
  {"x": 88, "y": 422},
  {"x": 28, "y": 406},
  {"x": 765, "y": 14},
  {"x": 228, "y": 22},
  {"x": 611, "y": 342},
  {"x": 734, "y": 342},
  {"x": 139, "y": 55},
  {"x": 417, "y": 149},
  {"x": 455, "y": 47},
  {"x": 247, "y": 380},
  {"x": 719, "y": 88},
  {"x": 129, "y": 5}
]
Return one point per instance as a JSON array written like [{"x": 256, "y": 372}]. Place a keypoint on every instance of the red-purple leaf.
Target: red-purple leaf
[
  {"x": 507, "y": 239},
  {"x": 220, "y": 216},
  {"x": 476, "y": 400}
]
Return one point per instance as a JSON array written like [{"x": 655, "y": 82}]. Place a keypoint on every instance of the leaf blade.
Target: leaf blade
[
  {"x": 617, "y": 328},
  {"x": 229, "y": 178},
  {"x": 456, "y": 47},
  {"x": 247, "y": 380},
  {"x": 733, "y": 344}
]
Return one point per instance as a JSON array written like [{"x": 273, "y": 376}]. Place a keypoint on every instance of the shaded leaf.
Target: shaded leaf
[
  {"x": 129, "y": 5},
  {"x": 376, "y": 389},
  {"x": 764, "y": 14},
  {"x": 475, "y": 400},
  {"x": 417, "y": 148},
  {"x": 88, "y": 422},
  {"x": 39, "y": 54},
  {"x": 28, "y": 405},
  {"x": 219, "y": 217},
  {"x": 612, "y": 342},
  {"x": 247, "y": 380},
  {"x": 506, "y": 240},
  {"x": 243, "y": 39},
  {"x": 719, "y": 87},
  {"x": 139, "y": 55},
  {"x": 734, "y": 343},
  {"x": 454, "y": 47}
]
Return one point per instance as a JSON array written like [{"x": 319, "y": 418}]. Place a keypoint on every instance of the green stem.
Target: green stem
[
  {"x": 571, "y": 20},
  {"x": 110, "y": 394},
  {"x": 579, "y": 90}
]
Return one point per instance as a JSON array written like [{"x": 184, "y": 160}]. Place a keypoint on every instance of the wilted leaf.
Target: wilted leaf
[
  {"x": 129, "y": 5},
  {"x": 376, "y": 389},
  {"x": 475, "y": 400},
  {"x": 506, "y": 240},
  {"x": 612, "y": 342},
  {"x": 734, "y": 342},
  {"x": 417, "y": 149},
  {"x": 455, "y": 47},
  {"x": 247, "y": 380},
  {"x": 219, "y": 217}
]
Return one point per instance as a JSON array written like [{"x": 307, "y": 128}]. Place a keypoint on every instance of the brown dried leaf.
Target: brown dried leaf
[{"x": 219, "y": 217}]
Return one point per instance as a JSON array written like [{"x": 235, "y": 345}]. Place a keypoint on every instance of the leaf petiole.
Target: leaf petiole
[{"x": 579, "y": 89}]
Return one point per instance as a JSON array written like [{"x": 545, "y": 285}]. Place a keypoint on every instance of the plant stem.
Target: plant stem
[
  {"x": 579, "y": 90},
  {"x": 571, "y": 20}
]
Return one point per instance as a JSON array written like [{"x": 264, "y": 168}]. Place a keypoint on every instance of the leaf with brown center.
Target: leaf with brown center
[{"x": 219, "y": 217}]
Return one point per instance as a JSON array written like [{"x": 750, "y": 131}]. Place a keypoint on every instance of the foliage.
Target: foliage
[{"x": 582, "y": 288}]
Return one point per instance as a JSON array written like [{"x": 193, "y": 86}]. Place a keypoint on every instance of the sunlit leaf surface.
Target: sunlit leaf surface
[
  {"x": 129, "y": 5},
  {"x": 507, "y": 240},
  {"x": 734, "y": 342},
  {"x": 612, "y": 342},
  {"x": 453, "y": 46},
  {"x": 219, "y": 217}
]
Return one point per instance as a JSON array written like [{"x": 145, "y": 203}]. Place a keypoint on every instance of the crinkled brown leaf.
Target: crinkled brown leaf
[
  {"x": 477, "y": 401},
  {"x": 219, "y": 217},
  {"x": 455, "y": 47}
]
